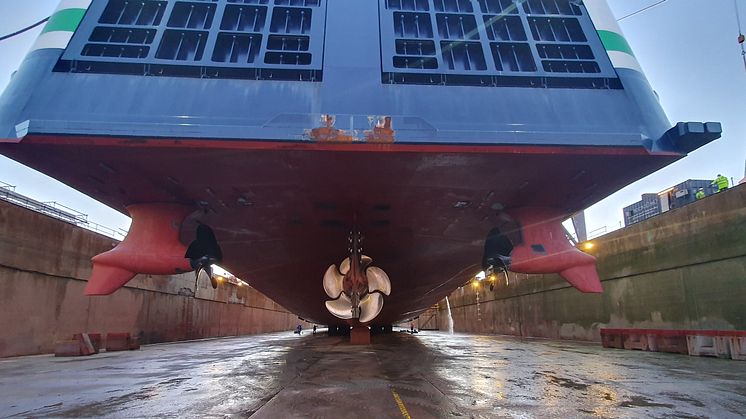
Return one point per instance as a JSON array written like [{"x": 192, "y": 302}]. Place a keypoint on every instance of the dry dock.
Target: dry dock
[{"x": 428, "y": 375}]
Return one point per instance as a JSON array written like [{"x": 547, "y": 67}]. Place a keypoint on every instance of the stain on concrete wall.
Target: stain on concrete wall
[
  {"x": 685, "y": 269},
  {"x": 44, "y": 264}
]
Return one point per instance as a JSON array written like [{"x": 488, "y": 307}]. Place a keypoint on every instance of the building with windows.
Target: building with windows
[
  {"x": 648, "y": 206},
  {"x": 677, "y": 196}
]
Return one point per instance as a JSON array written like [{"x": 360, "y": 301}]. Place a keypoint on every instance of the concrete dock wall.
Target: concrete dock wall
[
  {"x": 684, "y": 269},
  {"x": 44, "y": 264}
]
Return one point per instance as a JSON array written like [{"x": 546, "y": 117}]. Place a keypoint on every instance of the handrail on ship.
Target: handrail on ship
[
  {"x": 58, "y": 211},
  {"x": 598, "y": 232}
]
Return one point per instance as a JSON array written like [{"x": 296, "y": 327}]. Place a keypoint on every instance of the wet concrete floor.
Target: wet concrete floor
[{"x": 428, "y": 375}]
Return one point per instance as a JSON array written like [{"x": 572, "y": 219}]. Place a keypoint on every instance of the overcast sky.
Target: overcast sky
[{"x": 687, "y": 48}]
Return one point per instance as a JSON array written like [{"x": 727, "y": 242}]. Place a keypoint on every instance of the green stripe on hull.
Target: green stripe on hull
[
  {"x": 66, "y": 20},
  {"x": 614, "y": 42}
]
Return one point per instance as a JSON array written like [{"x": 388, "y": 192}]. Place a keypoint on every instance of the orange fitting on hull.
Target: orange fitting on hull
[
  {"x": 545, "y": 249},
  {"x": 151, "y": 247}
]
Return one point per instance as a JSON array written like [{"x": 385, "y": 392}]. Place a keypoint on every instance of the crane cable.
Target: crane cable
[
  {"x": 26, "y": 29},
  {"x": 740, "y": 33},
  {"x": 659, "y": 2}
]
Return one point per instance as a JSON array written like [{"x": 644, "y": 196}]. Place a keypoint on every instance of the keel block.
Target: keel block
[{"x": 360, "y": 335}]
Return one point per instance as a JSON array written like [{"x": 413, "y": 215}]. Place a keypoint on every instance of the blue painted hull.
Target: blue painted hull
[{"x": 346, "y": 124}]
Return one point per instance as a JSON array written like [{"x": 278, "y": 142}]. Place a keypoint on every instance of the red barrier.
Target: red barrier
[
  {"x": 134, "y": 343},
  {"x": 720, "y": 343},
  {"x": 117, "y": 342},
  {"x": 635, "y": 339},
  {"x": 96, "y": 341},
  {"x": 738, "y": 346},
  {"x": 702, "y": 345},
  {"x": 86, "y": 346},
  {"x": 671, "y": 341},
  {"x": 612, "y": 338},
  {"x": 67, "y": 348}
]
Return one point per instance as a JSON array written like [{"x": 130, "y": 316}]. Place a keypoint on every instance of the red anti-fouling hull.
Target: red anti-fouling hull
[{"x": 282, "y": 211}]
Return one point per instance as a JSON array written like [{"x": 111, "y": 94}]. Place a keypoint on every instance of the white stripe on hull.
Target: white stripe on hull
[{"x": 56, "y": 39}]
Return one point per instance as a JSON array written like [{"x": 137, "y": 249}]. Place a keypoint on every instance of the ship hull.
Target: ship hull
[
  {"x": 282, "y": 211},
  {"x": 454, "y": 135}
]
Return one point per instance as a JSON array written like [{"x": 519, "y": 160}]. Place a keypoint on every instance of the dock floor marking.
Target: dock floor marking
[{"x": 400, "y": 403}]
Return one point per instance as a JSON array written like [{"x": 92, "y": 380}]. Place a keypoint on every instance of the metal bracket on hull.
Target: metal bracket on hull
[
  {"x": 686, "y": 137},
  {"x": 152, "y": 246}
]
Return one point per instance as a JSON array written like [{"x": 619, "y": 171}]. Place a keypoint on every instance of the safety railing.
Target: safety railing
[
  {"x": 57, "y": 210},
  {"x": 598, "y": 232}
]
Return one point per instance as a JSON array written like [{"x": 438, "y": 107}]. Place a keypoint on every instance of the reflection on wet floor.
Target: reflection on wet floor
[
  {"x": 540, "y": 378},
  {"x": 428, "y": 375}
]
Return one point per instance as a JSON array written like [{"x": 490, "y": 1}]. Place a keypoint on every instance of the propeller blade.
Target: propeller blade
[
  {"x": 333, "y": 282},
  {"x": 378, "y": 280},
  {"x": 366, "y": 261},
  {"x": 341, "y": 307},
  {"x": 204, "y": 273},
  {"x": 204, "y": 245},
  {"x": 344, "y": 266},
  {"x": 370, "y": 307}
]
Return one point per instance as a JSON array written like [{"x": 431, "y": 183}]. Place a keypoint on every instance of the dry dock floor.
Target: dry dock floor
[{"x": 428, "y": 375}]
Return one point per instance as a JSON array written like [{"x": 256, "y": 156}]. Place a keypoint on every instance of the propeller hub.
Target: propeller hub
[{"x": 356, "y": 287}]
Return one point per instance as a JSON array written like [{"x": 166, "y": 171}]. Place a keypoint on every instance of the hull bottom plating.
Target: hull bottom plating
[{"x": 282, "y": 211}]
